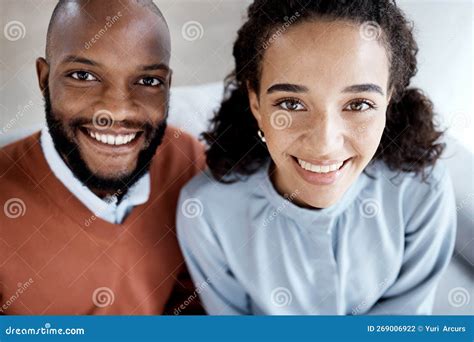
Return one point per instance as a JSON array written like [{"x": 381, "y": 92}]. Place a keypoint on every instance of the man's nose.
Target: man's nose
[{"x": 120, "y": 103}]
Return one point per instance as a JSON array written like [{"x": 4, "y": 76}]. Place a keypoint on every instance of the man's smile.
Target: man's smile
[{"x": 110, "y": 140}]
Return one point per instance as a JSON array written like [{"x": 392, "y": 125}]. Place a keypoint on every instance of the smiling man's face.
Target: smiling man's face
[{"x": 106, "y": 86}]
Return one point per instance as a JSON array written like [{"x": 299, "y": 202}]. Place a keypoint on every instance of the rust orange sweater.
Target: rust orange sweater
[{"x": 57, "y": 258}]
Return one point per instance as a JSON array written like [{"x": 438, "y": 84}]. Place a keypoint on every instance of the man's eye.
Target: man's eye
[
  {"x": 291, "y": 105},
  {"x": 150, "y": 81},
  {"x": 83, "y": 76},
  {"x": 359, "y": 106}
]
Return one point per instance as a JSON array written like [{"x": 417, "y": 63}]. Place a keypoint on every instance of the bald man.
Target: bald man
[{"x": 88, "y": 225}]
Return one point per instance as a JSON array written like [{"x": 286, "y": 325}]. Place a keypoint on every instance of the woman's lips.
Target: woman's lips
[{"x": 319, "y": 178}]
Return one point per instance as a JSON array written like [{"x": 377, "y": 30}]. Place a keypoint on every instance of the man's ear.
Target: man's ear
[
  {"x": 254, "y": 105},
  {"x": 170, "y": 78},
  {"x": 42, "y": 72}
]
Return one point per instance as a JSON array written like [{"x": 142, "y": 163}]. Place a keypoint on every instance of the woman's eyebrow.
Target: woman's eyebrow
[
  {"x": 363, "y": 88},
  {"x": 296, "y": 88},
  {"x": 292, "y": 88}
]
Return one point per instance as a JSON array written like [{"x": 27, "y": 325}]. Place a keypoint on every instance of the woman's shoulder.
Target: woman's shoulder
[
  {"x": 407, "y": 201},
  {"x": 205, "y": 187},
  {"x": 433, "y": 178},
  {"x": 410, "y": 193}
]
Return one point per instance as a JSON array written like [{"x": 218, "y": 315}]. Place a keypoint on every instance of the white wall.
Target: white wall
[{"x": 444, "y": 31}]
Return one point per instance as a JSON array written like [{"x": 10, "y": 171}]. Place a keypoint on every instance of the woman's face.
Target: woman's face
[{"x": 321, "y": 106}]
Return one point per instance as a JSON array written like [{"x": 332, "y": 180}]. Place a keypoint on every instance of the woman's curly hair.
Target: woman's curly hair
[{"x": 410, "y": 138}]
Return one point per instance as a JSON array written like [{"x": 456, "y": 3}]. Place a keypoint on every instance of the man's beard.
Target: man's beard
[{"x": 69, "y": 151}]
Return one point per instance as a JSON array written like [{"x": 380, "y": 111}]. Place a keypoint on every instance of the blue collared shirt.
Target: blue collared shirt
[
  {"x": 107, "y": 209},
  {"x": 380, "y": 250}
]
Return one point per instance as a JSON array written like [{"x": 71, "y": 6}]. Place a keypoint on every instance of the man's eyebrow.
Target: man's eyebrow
[
  {"x": 293, "y": 88},
  {"x": 87, "y": 61},
  {"x": 82, "y": 60},
  {"x": 363, "y": 88},
  {"x": 156, "y": 66}
]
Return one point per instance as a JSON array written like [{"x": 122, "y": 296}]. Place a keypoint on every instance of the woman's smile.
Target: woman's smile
[{"x": 321, "y": 173}]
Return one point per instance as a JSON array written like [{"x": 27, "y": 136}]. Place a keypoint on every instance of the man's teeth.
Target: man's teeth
[
  {"x": 319, "y": 168},
  {"x": 109, "y": 139}
]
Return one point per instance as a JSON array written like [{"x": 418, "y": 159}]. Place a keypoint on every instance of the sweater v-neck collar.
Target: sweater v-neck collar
[
  {"x": 69, "y": 204},
  {"x": 107, "y": 209}
]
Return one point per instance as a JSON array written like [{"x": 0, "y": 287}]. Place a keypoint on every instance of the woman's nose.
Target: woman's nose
[{"x": 325, "y": 134}]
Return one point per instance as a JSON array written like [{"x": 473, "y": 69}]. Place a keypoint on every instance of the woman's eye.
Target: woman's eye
[
  {"x": 83, "y": 76},
  {"x": 291, "y": 105},
  {"x": 359, "y": 106},
  {"x": 150, "y": 81}
]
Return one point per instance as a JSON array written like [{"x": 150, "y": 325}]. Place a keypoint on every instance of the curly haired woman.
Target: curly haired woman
[{"x": 325, "y": 192}]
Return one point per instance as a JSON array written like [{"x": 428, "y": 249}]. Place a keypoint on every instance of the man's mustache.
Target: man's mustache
[{"x": 146, "y": 126}]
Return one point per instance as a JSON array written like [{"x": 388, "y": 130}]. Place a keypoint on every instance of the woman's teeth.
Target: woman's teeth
[
  {"x": 319, "y": 168},
  {"x": 110, "y": 139}
]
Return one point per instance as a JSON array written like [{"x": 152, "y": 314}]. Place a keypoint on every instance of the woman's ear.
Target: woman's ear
[
  {"x": 42, "y": 71},
  {"x": 389, "y": 95},
  {"x": 254, "y": 104}
]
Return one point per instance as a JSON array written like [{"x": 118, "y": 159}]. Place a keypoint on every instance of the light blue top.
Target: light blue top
[
  {"x": 108, "y": 208},
  {"x": 379, "y": 250}
]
